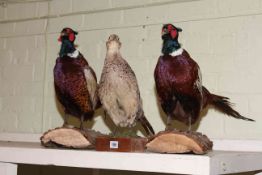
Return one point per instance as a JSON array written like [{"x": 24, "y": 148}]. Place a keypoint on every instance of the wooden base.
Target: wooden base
[
  {"x": 164, "y": 142},
  {"x": 179, "y": 142},
  {"x": 120, "y": 144},
  {"x": 69, "y": 138}
]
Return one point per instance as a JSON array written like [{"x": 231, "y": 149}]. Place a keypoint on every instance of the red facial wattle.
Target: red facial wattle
[
  {"x": 173, "y": 33},
  {"x": 70, "y": 34},
  {"x": 71, "y": 37},
  {"x": 170, "y": 28}
]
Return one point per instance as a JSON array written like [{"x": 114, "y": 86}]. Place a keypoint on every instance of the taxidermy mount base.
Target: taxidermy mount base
[
  {"x": 121, "y": 144},
  {"x": 164, "y": 142},
  {"x": 179, "y": 142},
  {"x": 65, "y": 137}
]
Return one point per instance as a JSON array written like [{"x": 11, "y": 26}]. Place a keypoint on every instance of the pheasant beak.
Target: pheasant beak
[
  {"x": 164, "y": 31},
  {"x": 60, "y": 37}
]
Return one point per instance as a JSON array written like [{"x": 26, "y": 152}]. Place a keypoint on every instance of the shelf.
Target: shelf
[{"x": 216, "y": 162}]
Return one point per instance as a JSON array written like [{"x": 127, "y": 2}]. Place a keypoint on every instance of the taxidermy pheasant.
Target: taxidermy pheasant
[
  {"x": 118, "y": 89},
  {"x": 178, "y": 83},
  {"x": 75, "y": 81}
]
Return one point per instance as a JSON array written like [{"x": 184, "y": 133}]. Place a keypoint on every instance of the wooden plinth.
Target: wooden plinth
[
  {"x": 69, "y": 138},
  {"x": 179, "y": 142},
  {"x": 120, "y": 144}
]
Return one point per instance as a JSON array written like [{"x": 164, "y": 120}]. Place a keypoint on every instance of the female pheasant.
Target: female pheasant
[{"x": 118, "y": 89}]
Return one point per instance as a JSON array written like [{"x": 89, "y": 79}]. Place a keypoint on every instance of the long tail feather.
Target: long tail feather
[
  {"x": 223, "y": 105},
  {"x": 146, "y": 125}
]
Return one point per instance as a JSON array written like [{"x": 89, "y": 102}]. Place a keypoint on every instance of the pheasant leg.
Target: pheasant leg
[{"x": 168, "y": 123}]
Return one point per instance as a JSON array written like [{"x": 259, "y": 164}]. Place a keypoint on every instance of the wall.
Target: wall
[{"x": 223, "y": 36}]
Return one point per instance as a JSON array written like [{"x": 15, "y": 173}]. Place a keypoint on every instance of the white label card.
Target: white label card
[{"x": 113, "y": 144}]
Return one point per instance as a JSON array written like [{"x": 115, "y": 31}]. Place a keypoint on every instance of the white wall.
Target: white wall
[{"x": 223, "y": 36}]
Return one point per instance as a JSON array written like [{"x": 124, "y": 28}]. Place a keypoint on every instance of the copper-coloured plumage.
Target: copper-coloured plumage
[
  {"x": 178, "y": 83},
  {"x": 75, "y": 81}
]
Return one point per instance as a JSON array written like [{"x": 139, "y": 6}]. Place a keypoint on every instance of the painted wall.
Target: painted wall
[{"x": 223, "y": 36}]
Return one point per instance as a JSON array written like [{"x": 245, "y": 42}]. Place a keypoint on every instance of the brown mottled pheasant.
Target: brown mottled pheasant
[{"x": 118, "y": 89}]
